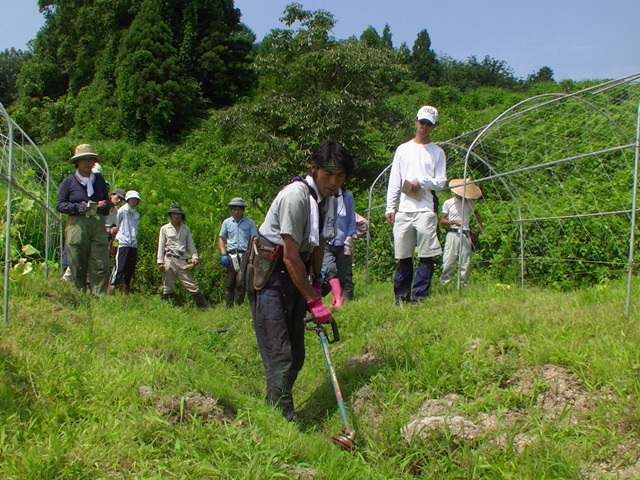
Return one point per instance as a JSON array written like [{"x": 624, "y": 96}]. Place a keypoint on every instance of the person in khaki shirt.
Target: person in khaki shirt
[{"x": 175, "y": 244}]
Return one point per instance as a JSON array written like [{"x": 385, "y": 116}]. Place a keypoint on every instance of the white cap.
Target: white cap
[
  {"x": 132, "y": 194},
  {"x": 97, "y": 168},
  {"x": 428, "y": 113}
]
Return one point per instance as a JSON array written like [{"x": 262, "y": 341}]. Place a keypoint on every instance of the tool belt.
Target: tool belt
[{"x": 259, "y": 263}]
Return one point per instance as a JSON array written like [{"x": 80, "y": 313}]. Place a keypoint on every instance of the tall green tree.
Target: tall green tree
[
  {"x": 386, "y": 37},
  {"x": 424, "y": 63},
  {"x": 72, "y": 75},
  {"x": 545, "y": 74},
  {"x": 152, "y": 96},
  {"x": 313, "y": 87},
  {"x": 11, "y": 61},
  {"x": 370, "y": 37},
  {"x": 214, "y": 48}
]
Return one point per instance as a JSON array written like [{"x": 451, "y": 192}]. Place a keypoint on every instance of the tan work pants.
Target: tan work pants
[{"x": 177, "y": 269}]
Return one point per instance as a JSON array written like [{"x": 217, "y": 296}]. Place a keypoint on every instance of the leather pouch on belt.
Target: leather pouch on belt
[
  {"x": 246, "y": 267},
  {"x": 264, "y": 263}
]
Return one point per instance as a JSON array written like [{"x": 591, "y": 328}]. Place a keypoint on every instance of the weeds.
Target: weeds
[{"x": 517, "y": 384}]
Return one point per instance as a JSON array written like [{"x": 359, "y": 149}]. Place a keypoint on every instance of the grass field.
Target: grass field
[{"x": 495, "y": 382}]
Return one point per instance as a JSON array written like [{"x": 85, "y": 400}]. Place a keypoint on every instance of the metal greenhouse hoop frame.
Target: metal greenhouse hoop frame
[
  {"x": 504, "y": 158},
  {"x": 19, "y": 152}
]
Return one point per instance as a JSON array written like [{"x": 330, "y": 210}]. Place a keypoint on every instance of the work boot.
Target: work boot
[
  {"x": 168, "y": 297},
  {"x": 239, "y": 296},
  {"x": 228, "y": 298},
  {"x": 201, "y": 302},
  {"x": 111, "y": 289},
  {"x": 402, "y": 299},
  {"x": 336, "y": 292},
  {"x": 125, "y": 289}
]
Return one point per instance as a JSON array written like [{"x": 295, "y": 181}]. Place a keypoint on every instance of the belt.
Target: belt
[
  {"x": 456, "y": 230},
  {"x": 172, "y": 255},
  {"x": 236, "y": 251}
]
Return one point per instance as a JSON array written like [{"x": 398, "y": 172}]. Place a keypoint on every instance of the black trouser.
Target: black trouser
[
  {"x": 278, "y": 312},
  {"x": 125, "y": 266},
  {"x": 404, "y": 276},
  {"x": 233, "y": 290}
]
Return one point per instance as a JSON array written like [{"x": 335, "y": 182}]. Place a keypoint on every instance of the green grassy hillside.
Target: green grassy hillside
[{"x": 495, "y": 383}]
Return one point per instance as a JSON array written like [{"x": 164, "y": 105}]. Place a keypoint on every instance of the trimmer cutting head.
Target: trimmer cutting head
[{"x": 345, "y": 441}]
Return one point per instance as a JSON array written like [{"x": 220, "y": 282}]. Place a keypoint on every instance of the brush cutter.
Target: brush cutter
[{"x": 346, "y": 439}]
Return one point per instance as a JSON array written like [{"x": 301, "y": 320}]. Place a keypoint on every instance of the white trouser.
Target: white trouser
[{"x": 451, "y": 252}]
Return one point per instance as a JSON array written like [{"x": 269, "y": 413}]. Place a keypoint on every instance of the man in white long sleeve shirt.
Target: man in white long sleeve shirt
[{"x": 419, "y": 169}]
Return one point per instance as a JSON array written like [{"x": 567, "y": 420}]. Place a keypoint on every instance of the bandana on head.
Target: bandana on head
[{"x": 332, "y": 164}]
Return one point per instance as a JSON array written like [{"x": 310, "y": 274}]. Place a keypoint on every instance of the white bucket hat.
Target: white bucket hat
[{"x": 132, "y": 194}]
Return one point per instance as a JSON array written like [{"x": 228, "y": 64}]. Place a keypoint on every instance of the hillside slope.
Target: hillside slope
[{"x": 495, "y": 383}]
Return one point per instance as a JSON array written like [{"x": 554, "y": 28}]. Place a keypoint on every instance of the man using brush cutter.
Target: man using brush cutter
[{"x": 286, "y": 253}]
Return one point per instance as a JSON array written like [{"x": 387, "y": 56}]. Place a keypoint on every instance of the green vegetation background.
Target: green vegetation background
[{"x": 184, "y": 105}]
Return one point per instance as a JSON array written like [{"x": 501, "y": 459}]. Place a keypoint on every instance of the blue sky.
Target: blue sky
[{"x": 578, "y": 39}]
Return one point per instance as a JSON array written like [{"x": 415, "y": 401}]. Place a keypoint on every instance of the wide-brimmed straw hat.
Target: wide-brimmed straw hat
[
  {"x": 468, "y": 190},
  {"x": 84, "y": 150}
]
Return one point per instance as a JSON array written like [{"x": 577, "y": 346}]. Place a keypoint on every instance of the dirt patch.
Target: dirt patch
[
  {"x": 556, "y": 394},
  {"x": 299, "y": 472},
  {"x": 198, "y": 405}
]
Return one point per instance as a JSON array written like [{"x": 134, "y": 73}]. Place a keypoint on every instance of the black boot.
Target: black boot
[
  {"x": 228, "y": 297},
  {"x": 201, "y": 302},
  {"x": 168, "y": 297}
]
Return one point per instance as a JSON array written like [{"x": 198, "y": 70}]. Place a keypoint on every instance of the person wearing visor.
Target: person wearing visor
[
  {"x": 418, "y": 170},
  {"x": 236, "y": 231},
  {"x": 84, "y": 197},
  {"x": 287, "y": 265}
]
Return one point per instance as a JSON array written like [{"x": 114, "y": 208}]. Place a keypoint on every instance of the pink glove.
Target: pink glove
[
  {"x": 320, "y": 313},
  {"x": 317, "y": 286}
]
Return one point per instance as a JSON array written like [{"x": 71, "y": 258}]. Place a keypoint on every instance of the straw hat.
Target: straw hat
[
  {"x": 84, "y": 150},
  {"x": 468, "y": 190}
]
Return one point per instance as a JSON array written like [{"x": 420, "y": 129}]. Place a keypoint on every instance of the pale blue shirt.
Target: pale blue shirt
[
  {"x": 238, "y": 234},
  {"x": 127, "y": 221}
]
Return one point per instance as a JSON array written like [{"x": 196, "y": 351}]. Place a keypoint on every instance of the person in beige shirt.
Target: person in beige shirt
[{"x": 175, "y": 244}]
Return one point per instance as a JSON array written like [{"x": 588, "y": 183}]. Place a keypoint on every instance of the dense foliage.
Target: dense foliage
[
  {"x": 132, "y": 68},
  {"x": 146, "y": 69},
  {"x": 184, "y": 106}
]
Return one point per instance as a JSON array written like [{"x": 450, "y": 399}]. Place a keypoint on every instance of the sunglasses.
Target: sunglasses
[{"x": 424, "y": 121}]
